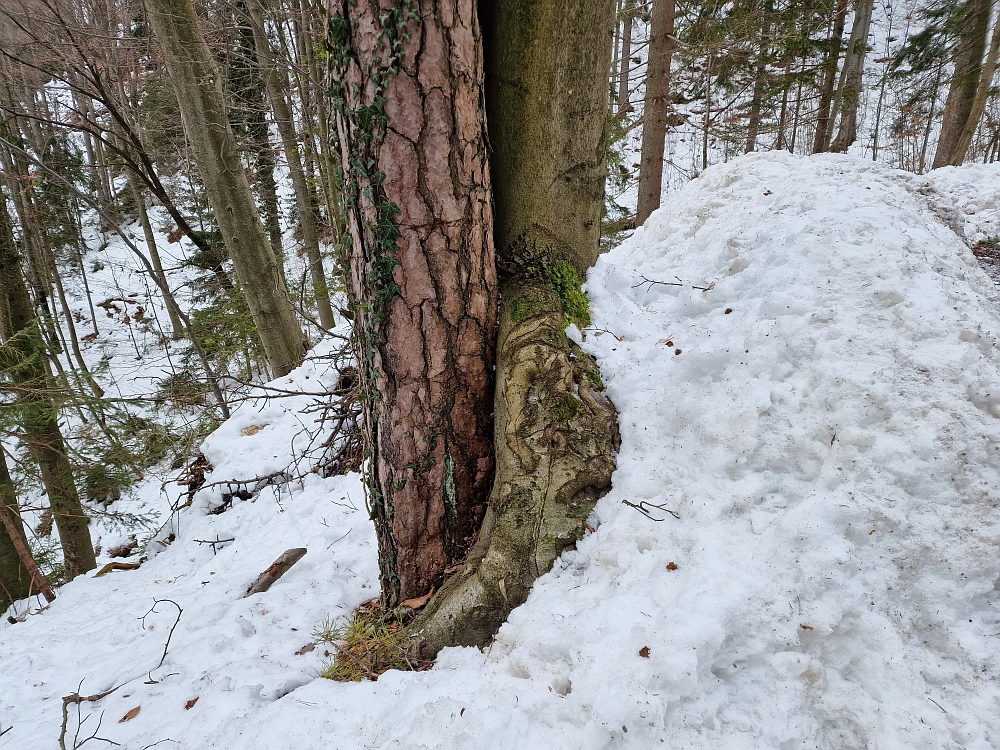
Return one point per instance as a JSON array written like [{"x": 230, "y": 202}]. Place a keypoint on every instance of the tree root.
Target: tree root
[{"x": 556, "y": 435}]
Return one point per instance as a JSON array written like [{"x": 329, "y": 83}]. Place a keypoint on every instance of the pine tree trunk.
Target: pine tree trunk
[
  {"x": 654, "y": 118},
  {"x": 849, "y": 89},
  {"x": 15, "y": 580},
  {"x": 198, "y": 86},
  {"x": 756, "y": 101},
  {"x": 406, "y": 83},
  {"x": 979, "y": 101},
  {"x": 968, "y": 63},
  {"x": 39, "y": 414},
  {"x": 555, "y": 430},
  {"x": 821, "y": 140}
]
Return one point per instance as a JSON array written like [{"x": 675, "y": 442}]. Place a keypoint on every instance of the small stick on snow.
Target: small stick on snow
[{"x": 278, "y": 568}]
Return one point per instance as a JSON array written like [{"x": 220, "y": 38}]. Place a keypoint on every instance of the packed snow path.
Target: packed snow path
[{"x": 805, "y": 357}]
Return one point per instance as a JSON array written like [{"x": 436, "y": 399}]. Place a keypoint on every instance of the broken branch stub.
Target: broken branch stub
[{"x": 277, "y": 569}]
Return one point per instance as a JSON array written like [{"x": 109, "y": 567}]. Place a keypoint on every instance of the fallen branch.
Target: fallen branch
[
  {"x": 76, "y": 698},
  {"x": 116, "y": 566},
  {"x": 277, "y": 569},
  {"x": 37, "y": 577}
]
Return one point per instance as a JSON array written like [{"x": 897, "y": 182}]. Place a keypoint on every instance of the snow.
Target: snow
[{"x": 821, "y": 464}]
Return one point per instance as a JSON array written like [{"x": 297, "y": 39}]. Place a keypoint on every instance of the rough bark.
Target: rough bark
[
  {"x": 198, "y": 86},
  {"x": 39, "y": 414},
  {"x": 406, "y": 83},
  {"x": 289, "y": 142},
  {"x": 849, "y": 88},
  {"x": 979, "y": 101},
  {"x": 555, "y": 431},
  {"x": 968, "y": 62},
  {"x": 654, "y": 122}
]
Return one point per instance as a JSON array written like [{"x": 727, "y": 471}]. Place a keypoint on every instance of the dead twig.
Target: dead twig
[
  {"x": 172, "y": 628},
  {"x": 644, "y": 508}
]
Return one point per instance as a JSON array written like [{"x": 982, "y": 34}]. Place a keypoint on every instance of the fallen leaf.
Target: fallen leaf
[
  {"x": 130, "y": 715},
  {"x": 590, "y": 528},
  {"x": 305, "y": 649},
  {"x": 190, "y": 704},
  {"x": 677, "y": 351},
  {"x": 767, "y": 192},
  {"x": 807, "y": 627},
  {"x": 621, "y": 338},
  {"x": 462, "y": 712},
  {"x": 671, "y": 566},
  {"x": 252, "y": 429},
  {"x": 871, "y": 532},
  {"x": 419, "y": 601},
  {"x": 644, "y": 652},
  {"x": 728, "y": 310}
]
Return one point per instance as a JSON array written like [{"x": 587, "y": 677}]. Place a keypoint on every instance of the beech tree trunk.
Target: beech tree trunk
[
  {"x": 654, "y": 118},
  {"x": 555, "y": 430},
  {"x": 198, "y": 86},
  {"x": 968, "y": 62},
  {"x": 979, "y": 101},
  {"x": 25, "y": 351},
  {"x": 406, "y": 81},
  {"x": 849, "y": 88}
]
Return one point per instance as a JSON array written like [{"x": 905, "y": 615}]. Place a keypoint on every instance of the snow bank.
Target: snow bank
[{"x": 817, "y": 448}]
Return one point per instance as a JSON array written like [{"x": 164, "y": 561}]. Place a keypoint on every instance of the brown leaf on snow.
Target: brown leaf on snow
[
  {"x": 130, "y": 715},
  {"x": 671, "y": 566},
  {"x": 806, "y": 627},
  {"x": 305, "y": 649},
  {"x": 190, "y": 704},
  {"x": 644, "y": 652},
  {"x": 419, "y": 601}
]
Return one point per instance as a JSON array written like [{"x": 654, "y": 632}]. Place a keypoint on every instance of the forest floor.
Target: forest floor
[{"x": 801, "y": 548}]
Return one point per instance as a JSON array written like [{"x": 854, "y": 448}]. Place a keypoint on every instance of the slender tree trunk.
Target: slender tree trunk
[
  {"x": 40, "y": 415},
  {"x": 303, "y": 201},
  {"x": 15, "y": 579},
  {"x": 968, "y": 62},
  {"x": 822, "y": 139},
  {"x": 849, "y": 89},
  {"x": 979, "y": 101},
  {"x": 757, "y": 99},
  {"x": 555, "y": 429},
  {"x": 625, "y": 61},
  {"x": 654, "y": 118},
  {"x": 417, "y": 192},
  {"x": 198, "y": 85},
  {"x": 177, "y": 327}
]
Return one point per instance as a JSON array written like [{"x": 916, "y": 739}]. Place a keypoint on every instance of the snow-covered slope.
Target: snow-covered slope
[{"x": 818, "y": 450}]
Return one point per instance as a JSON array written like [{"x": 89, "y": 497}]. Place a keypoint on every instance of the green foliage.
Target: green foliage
[
  {"x": 226, "y": 331},
  {"x": 566, "y": 281}
]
